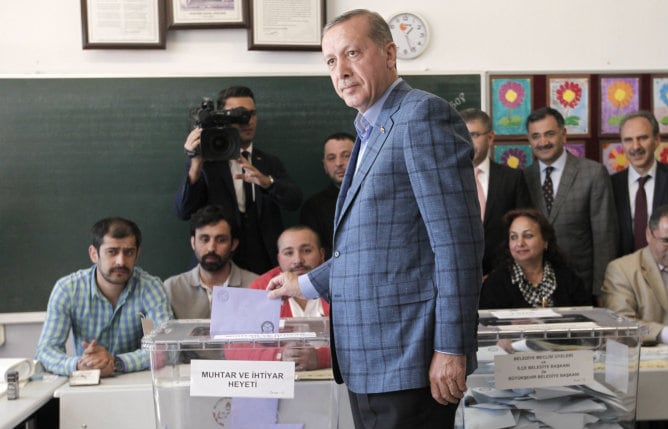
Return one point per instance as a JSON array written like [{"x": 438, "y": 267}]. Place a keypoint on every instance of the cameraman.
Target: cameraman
[{"x": 252, "y": 189}]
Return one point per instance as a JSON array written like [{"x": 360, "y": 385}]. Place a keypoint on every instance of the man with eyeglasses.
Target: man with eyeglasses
[
  {"x": 636, "y": 285},
  {"x": 253, "y": 188},
  {"x": 500, "y": 187}
]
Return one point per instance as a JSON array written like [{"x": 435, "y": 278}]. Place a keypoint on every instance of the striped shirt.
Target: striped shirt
[{"x": 77, "y": 304}]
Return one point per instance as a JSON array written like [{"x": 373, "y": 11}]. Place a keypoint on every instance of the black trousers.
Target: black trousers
[{"x": 403, "y": 409}]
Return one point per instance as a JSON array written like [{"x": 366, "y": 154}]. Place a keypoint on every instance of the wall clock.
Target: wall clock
[{"x": 410, "y": 33}]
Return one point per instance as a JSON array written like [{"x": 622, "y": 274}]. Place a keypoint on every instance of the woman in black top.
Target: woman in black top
[{"x": 532, "y": 272}]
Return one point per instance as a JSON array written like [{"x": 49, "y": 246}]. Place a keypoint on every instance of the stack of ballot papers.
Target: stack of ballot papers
[
  {"x": 568, "y": 407},
  {"x": 25, "y": 368}
]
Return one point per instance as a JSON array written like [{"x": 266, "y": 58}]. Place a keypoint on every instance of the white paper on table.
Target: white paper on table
[
  {"x": 488, "y": 394},
  {"x": 534, "y": 405},
  {"x": 479, "y": 418},
  {"x": 582, "y": 406},
  {"x": 543, "y": 393},
  {"x": 525, "y": 313},
  {"x": 561, "y": 421},
  {"x": 617, "y": 365}
]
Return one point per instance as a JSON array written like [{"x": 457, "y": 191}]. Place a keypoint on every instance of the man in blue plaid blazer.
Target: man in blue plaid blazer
[{"x": 405, "y": 272}]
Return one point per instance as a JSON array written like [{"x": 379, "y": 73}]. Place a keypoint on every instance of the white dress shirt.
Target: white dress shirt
[
  {"x": 649, "y": 188},
  {"x": 558, "y": 169}
]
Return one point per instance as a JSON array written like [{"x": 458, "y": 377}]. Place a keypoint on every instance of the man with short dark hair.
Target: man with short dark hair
[
  {"x": 643, "y": 186},
  {"x": 635, "y": 285},
  {"x": 252, "y": 189},
  {"x": 575, "y": 194},
  {"x": 318, "y": 210},
  {"x": 300, "y": 251},
  {"x": 500, "y": 188},
  {"x": 214, "y": 240},
  {"x": 405, "y": 273},
  {"x": 103, "y": 306}
]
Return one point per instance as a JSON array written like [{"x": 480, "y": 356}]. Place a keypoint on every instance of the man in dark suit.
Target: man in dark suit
[
  {"x": 318, "y": 211},
  {"x": 253, "y": 188},
  {"x": 501, "y": 188},
  {"x": 639, "y": 133},
  {"x": 403, "y": 280},
  {"x": 575, "y": 194}
]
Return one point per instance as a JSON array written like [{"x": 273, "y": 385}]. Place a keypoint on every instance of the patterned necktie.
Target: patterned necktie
[
  {"x": 548, "y": 190},
  {"x": 248, "y": 187},
  {"x": 481, "y": 193},
  {"x": 640, "y": 218}
]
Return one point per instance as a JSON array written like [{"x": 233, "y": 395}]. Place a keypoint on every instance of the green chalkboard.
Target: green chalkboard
[{"x": 76, "y": 150}]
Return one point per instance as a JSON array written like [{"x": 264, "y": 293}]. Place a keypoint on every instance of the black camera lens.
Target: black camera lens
[{"x": 220, "y": 144}]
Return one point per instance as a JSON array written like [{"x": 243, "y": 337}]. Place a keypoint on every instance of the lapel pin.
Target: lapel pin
[{"x": 382, "y": 130}]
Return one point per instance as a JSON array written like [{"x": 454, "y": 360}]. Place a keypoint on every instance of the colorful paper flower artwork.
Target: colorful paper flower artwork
[
  {"x": 663, "y": 96},
  {"x": 663, "y": 93},
  {"x": 514, "y": 156},
  {"x": 569, "y": 95},
  {"x": 511, "y": 104},
  {"x": 618, "y": 160},
  {"x": 660, "y": 102},
  {"x": 613, "y": 157},
  {"x": 576, "y": 149},
  {"x": 511, "y": 95},
  {"x": 619, "y": 96},
  {"x": 661, "y": 153}
]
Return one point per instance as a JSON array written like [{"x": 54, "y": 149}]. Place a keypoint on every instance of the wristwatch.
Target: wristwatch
[
  {"x": 271, "y": 180},
  {"x": 119, "y": 365}
]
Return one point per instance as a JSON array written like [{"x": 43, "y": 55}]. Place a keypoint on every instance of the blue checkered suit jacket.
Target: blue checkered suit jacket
[{"x": 405, "y": 272}]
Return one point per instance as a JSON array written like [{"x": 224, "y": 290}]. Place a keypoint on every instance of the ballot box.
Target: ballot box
[
  {"x": 572, "y": 368},
  {"x": 242, "y": 381}
]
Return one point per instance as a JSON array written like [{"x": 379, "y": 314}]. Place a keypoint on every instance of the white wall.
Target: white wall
[{"x": 43, "y": 37}]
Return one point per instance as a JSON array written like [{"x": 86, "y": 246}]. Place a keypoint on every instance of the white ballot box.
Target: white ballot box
[
  {"x": 569, "y": 368},
  {"x": 243, "y": 381}
]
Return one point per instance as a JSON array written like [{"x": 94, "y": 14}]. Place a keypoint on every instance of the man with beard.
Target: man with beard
[
  {"x": 214, "y": 240},
  {"x": 299, "y": 251},
  {"x": 318, "y": 211},
  {"x": 643, "y": 186},
  {"x": 253, "y": 188},
  {"x": 104, "y": 307},
  {"x": 575, "y": 194}
]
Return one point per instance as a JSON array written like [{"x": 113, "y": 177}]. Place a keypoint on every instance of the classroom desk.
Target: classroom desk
[
  {"x": 126, "y": 401},
  {"x": 652, "y": 403},
  {"x": 32, "y": 397}
]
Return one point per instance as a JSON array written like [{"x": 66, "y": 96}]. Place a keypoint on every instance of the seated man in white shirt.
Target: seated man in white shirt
[
  {"x": 635, "y": 285},
  {"x": 300, "y": 251}
]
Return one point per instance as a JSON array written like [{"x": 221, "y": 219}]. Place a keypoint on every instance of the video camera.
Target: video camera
[{"x": 219, "y": 141}]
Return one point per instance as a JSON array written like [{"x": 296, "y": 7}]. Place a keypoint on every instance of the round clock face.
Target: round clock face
[{"x": 410, "y": 33}]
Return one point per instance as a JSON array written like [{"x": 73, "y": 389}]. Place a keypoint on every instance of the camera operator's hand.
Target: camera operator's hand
[
  {"x": 192, "y": 143},
  {"x": 252, "y": 174}
]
